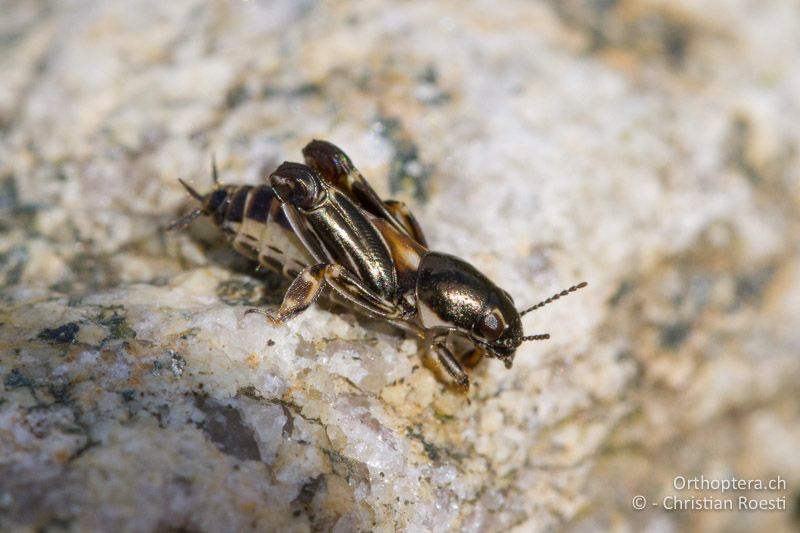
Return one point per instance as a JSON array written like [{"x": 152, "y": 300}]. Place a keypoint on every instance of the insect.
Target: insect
[{"x": 321, "y": 225}]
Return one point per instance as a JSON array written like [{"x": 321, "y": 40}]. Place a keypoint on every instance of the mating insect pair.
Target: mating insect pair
[{"x": 322, "y": 225}]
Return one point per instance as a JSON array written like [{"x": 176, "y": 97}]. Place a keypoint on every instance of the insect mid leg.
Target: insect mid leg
[{"x": 406, "y": 218}]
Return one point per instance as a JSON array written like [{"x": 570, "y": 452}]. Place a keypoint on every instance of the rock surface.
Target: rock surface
[{"x": 650, "y": 148}]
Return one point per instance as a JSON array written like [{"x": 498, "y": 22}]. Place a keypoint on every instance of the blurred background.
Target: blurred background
[{"x": 648, "y": 147}]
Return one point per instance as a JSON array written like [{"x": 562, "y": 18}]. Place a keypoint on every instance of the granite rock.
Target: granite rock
[{"x": 650, "y": 148}]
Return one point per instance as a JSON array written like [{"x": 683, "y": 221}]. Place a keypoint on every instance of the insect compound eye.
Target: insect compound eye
[
  {"x": 296, "y": 184},
  {"x": 491, "y": 326}
]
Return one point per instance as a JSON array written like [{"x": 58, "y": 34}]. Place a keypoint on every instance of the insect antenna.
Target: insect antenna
[
  {"x": 184, "y": 221},
  {"x": 554, "y": 297},
  {"x": 542, "y": 337}
]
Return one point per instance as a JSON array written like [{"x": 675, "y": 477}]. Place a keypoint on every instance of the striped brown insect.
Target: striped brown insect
[{"x": 322, "y": 225}]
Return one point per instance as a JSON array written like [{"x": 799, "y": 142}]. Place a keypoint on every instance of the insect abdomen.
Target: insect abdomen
[{"x": 252, "y": 217}]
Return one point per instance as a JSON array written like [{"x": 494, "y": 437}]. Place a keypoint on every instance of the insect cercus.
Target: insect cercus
[{"x": 321, "y": 224}]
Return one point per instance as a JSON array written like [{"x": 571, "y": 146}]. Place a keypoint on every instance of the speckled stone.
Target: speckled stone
[{"x": 650, "y": 148}]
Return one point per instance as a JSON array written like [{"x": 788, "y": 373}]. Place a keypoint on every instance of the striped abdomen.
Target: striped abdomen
[{"x": 252, "y": 217}]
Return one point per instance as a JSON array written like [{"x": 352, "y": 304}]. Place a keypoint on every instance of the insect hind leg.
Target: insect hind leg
[
  {"x": 302, "y": 292},
  {"x": 308, "y": 285}
]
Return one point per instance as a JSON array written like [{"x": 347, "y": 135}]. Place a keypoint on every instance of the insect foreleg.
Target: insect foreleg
[
  {"x": 446, "y": 364},
  {"x": 472, "y": 357},
  {"x": 450, "y": 364}
]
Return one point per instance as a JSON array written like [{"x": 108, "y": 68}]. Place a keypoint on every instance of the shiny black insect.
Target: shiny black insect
[{"x": 321, "y": 224}]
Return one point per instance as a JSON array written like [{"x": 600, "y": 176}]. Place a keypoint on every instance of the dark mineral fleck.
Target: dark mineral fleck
[
  {"x": 62, "y": 334},
  {"x": 16, "y": 379}
]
